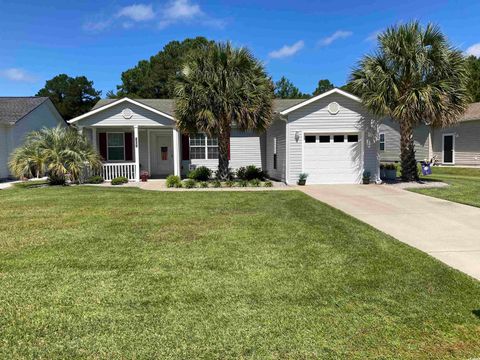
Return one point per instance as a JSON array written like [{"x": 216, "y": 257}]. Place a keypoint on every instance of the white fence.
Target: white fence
[{"x": 111, "y": 171}]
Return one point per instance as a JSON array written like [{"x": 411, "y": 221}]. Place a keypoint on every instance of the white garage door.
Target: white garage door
[{"x": 332, "y": 158}]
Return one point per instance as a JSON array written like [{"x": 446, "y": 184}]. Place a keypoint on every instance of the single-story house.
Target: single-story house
[
  {"x": 19, "y": 116},
  {"x": 330, "y": 136},
  {"x": 455, "y": 145}
]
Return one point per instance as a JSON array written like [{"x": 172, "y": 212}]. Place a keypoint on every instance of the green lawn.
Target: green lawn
[
  {"x": 464, "y": 185},
  {"x": 123, "y": 273}
]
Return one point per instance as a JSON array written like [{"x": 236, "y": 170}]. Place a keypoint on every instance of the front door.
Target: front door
[
  {"x": 448, "y": 149},
  {"x": 161, "y": 154}
]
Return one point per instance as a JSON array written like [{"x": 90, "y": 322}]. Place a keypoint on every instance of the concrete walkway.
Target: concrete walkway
[{"x": 445, "y": 230}]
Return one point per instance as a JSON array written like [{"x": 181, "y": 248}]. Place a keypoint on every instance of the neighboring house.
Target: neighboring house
[
  {"x": 455, "y": 145},
  {"x": 19, "y": 116},
  {"x": 331, "y": 137}
]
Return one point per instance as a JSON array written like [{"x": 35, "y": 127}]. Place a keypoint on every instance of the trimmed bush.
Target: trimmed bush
[
  {"x": 173, "y": 181},
  {"x": 56, "y": 180},
  {"x": 255, "y": 182},
  {"x": 250, "y": 172},
  {"x": 243, "y": 183},
  {"x": 96, "y": 179},
  {"x": 120, "y": 180},
  {"x": 217, "y": 184},
  {"x": 268, "y": 183},
  {"x": 189, "y": 183},
  {"x": 204, "y": 184},
  {"x": 229, "y": 183},
  {"x": 201, "y": 173}
]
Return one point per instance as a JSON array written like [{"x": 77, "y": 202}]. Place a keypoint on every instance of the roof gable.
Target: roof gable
[{"x": 13, "y": 109}]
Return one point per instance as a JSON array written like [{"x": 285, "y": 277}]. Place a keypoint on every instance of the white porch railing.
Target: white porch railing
[{"x": 112, "y": 170}]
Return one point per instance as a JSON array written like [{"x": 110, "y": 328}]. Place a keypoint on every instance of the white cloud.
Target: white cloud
[
  {"x": 168, "y": 14},
  {"x": 16, "y": 74},
  {"x": 339, "y": 34},
  {"x": 137, "y": 12},
  {"x": 474, "y": 50},
  {"x": 287, "y": 50}
]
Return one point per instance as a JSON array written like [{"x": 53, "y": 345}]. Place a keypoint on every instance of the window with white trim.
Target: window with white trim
[
  {"x": 203, "y": 147},
  {"x": 382, "y": 142},
  {"x": 116, "y": 146}
]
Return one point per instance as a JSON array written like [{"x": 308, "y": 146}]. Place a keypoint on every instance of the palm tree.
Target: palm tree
[
  {"x": 221, "y": 86},
  {"x": 414, "y": 77},
  {"x": 59, "y": 152}
]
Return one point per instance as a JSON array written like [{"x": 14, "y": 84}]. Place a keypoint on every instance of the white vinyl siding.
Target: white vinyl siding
[
  {"x": 466, "y": 142},
  {"x": 276, "y": 131},
  {"x": 352, "y": 118}
]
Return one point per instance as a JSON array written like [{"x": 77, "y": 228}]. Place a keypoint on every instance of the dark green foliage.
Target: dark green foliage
[
  {"x": 473, "y": 85},
  {"x": 229, "y": 183},
  {"x": 54, "y": 179},
  {"x": 284, "y": 89},
  {"x": 189, "y": 183},
  {"x": 323, "y": 86},
  {"x": 119, "y": 180},
  {"x": 203, "y": 184},
  {"x": 268, "y": 184},
  {"x": 242, "y": 183},
  {"x": 255, "y": 182},
  {"x": 155, "y": 78},
  {"x": 71, "y": 96},
  {"x": 216, "y": 184},
  {"x": 201, "y": 173},
  {"x": 96, "y": 179},
  {"x": 173, "y": 181},
  {"x": 250, "y": 172}
]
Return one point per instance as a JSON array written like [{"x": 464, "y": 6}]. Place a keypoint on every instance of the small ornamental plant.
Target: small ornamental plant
[
  {"x": 189, "y": 183},
  {"x": 120, "y": 180},
  {"x": 302, "y": 179},
  {"x": 173, "y": 181},
  {"x": 268, "y": 183}
]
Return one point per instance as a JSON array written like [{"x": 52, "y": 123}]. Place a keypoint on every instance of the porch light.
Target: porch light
[{"x": 297, "y": 136}]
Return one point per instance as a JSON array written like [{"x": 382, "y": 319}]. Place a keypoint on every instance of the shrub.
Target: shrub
[
  {"x": 179, "y": 185},
  {"x": 119, "y": 180},
  {"x": 217, "y": 184},
  {"x": 255, "y": 182},
  {"x": 268, "y": 184},
  {"x": 201, "y": 173},
  {"x": 204, "y": 184},
  {"x": 53, "y": 179},
  {"x": 250, "y": 172},
  {"x": 189, "y": 183},
  {"x": 243, "y": 183},
  {"x": 173, "y": 181},
  {"x": 96, "y": 179},
  {"x": 230, "y": 183},
  {"x": 302, "y": 176}
]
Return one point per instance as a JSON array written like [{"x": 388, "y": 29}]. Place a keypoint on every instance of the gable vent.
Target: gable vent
[
  {"x": 333, "y": 108},
  {"x": 127, "y": 113}
]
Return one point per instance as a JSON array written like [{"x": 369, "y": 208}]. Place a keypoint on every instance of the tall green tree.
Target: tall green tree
[
  {"x": 221, "y": 85},
  {"x": 473, "y": 85},
  {"x": 323, "y": 86},
  {"x": 59, "y": 152},
  {"x": 73, "y": 96},
  {"x": 414, "y": 77},
  {"x": 284, "y": 89},
  {"x": 155, "y": 78}
]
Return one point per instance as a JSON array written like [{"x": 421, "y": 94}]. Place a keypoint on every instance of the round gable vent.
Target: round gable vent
[
  {"x": 333, "y": 108},
  {"x": 127, "y": 113}
]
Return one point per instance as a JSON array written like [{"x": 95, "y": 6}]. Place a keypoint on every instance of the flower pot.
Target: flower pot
[
  {"x": 382, "y": 174},
  {"x": 391, "y": 174},
  {"x": 301, "y": 182},
  {"x": 366, "y": 181}
]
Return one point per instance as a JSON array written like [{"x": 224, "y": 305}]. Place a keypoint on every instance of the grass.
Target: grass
[
  {"x": 464, "y": 185},
  {"x": 91, "y": 272}
]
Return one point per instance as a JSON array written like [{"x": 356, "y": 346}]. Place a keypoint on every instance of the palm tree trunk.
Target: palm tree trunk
[
  {"x": 223, "y": 150},
  {"x": 407, "y": 152}
]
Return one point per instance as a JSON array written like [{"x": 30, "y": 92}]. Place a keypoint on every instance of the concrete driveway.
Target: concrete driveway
[{"x": 445, "y": 230}]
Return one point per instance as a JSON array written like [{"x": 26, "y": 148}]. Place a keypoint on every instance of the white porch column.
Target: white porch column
[
  {"x": 80, "y": 130},
  {"x": 94, "y": 138},
  {"x": 137, "y": 152},
  {"x": 176, "y": 152}
]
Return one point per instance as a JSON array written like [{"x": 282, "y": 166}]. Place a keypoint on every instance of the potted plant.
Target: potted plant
[
  {"x": 302, "y": 179},
  {"x": 390, "y": 171},
  {"x": 144, "y": 175},
  {"x": 366, "y": 177},
  {"x": 382, "y": 171}
]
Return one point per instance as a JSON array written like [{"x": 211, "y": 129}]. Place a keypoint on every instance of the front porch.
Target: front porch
[{"x": 128, "y": 151}]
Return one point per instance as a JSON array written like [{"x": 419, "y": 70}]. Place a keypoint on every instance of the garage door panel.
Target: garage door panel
[{"x": 334, "y": 162}]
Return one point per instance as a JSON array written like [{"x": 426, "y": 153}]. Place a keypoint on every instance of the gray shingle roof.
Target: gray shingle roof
[
  {"x": 12, "y": 109},
  {"x": 168, "y": 105},
  {"x": 472, "y": 113}
]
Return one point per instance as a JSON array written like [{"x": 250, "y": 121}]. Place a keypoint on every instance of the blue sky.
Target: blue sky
[{"x": 303, "y": 40}]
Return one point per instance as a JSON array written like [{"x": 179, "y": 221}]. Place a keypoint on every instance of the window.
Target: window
[
  {"x": 275, "y": 153},
  {"x": 115, "y": 146},
  {"x": 324, "y": 138},
  {"x": 382, "y": 142},
  {"x": 202, "y": 147},
  {"x": 338, "y": 138},
  {"x": 310, "y": 138},
  {"x": 352, "y": 138}
]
